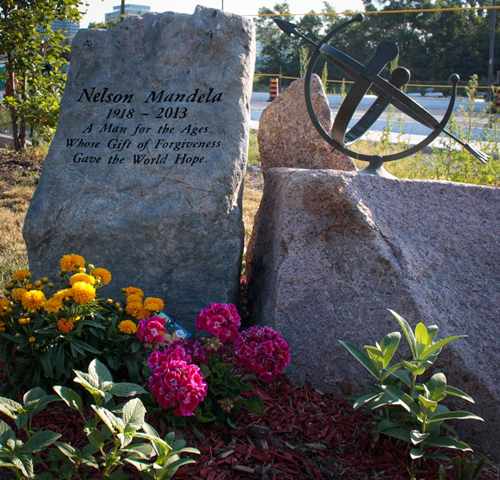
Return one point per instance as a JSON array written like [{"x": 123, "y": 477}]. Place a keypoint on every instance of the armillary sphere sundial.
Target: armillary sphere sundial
[{"x": 367, "y": 77}]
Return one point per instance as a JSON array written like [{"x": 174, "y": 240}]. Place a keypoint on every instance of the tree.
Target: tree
[{"x": 34, "y": 62}]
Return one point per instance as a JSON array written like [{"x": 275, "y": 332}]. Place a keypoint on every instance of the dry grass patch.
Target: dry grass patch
[{"x": 13, "y": 254}]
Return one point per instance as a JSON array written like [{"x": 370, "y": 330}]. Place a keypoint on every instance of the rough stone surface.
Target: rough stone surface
[
  {"x": 287, "y": 137},
  {"x": 163, "y": 102},
  {"x": 333, "y": 251}
]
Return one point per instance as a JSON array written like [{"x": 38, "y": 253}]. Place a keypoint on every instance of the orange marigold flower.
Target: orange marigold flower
[
  {"x": 135, "y": 309},
  {"x": 64, "y": 294},
  {"x": 154, "y": 304},
  {"x": 32, "y": 339},
  {"x": 33, "y": 300},
  {"x": 2, "y": 326},
  {"x": 24, "y": 320},
  {"x": 53, "y": 305},
  {"x": 4, "y": 306},
  {"x": 18, "y": 294},
  {"x": 134, "y": 291},
  {"x": 134, "y": 298},
  {"x": 82, "y": 293},
  {"x": 22, "y": 274},
  {"x": 127, "y": 326},
  {"x": 81, "y": 277},
  {"x": 102, "y": 274},
  {"x": 65, "y": 326},
  {"x": 72, "y": 262},
  {"x": 144, "y": 314}
]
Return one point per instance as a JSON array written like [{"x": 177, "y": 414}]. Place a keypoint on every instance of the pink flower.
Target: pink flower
[
  {"x": 151, "y": 330},
  {"x": 178, "y": 384},
  {"x": 221, "y": 320},
  {"x": 190, "y": 351},
  {"x": 263, "y": 351}
]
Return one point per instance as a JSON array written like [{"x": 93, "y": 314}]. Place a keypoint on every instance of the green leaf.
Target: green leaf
[
  {"x": 437, "y": 386},
  {"x": 40, "y": 441},
  {"x": 361, "y": 358},
  {"x": 133, "y": 415},
  {"x": 125, "y": 389},
  {"x": 364, "y": 399},
  {"x": 455, "y": 392},
  {"x": 5, "y": 432},
  {"x": 427, "y": 406},
  {"x": 422, "y": 338},
  {"x": 389, "y": 345},
  {"x": 395, "y": 396},
  {"x": 417, "y": 437},
  {"x": 70, "y": 397},
  {"x": 447, "y": 442},
  {"x": 99, "y": 373},
  {"x": 435, "y": 347},
  {"x": 456, "y": 415},
  {"x": 415, "y": 453},
  {"x": 410, "y": 337},
  {"x": 83, "y": 346},
  {"x": 110, "y": 420}
]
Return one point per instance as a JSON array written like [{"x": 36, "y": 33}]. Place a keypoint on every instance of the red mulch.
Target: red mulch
[{"x": 305, "y": 434}]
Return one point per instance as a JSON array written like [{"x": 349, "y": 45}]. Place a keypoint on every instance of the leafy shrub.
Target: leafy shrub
[{"x": 403, "y": 407}]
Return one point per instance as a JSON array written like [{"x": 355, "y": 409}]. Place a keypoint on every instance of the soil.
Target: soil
[
  {"x": 305, "y": 434},
  {"x": 17, "y": 169}
]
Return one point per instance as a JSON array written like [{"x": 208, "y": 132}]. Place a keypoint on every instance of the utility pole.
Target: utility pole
[
  {"x": 122, "y": 11},
  {"x": 489, "y": 94}
]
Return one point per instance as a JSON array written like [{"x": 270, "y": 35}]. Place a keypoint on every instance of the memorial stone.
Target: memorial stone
[{"x": 145, "y": 174}]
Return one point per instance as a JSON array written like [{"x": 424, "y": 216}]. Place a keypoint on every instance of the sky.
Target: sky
[{"x": 97, "y": 8}]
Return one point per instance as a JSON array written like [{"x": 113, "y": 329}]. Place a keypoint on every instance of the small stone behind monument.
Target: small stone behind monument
[
  {"x": 287, "y": 137},
  {"x": 144, "y": 176}
]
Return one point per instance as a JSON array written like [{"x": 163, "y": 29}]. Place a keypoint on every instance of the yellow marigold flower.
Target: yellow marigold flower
[
  {"x": 28, "y": 286},
  {"x": 134, "y": 309},
  {"x": 102, "y": 274},
  {"x": 153, "y": 304},
  {"x": 18, "y": 294},
  {"x": 83, "y": 293},
  {"x": 127, "y": 326},
  {"x": 33, "y": 300},
  {"x": 65, "y": 326},
  {"x": 32, "y": 339},
  {"x": 4, "y": 306},
  {"x": 53, "y": 305},
  {"x": 81, "y": 277},
  {"x": 22, "y": 274},
  {"x": 24, "y": 320},
  {"x": 72, "y": 262},
  {"x": 134, "y": 298},
  {"x": 64, "y": 294},
  {"x": 134, "y": 291}
]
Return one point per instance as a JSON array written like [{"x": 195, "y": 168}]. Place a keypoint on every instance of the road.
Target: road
[{"x": 403, "y": 128}]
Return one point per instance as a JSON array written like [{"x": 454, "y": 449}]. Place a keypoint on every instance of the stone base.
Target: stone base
[{"x": 334, "y": 250}]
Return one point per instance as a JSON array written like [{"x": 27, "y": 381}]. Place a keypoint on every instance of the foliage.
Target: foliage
[
  {"x": 35, "y": 62},
  {"x": 44, "y": 337},
  {"x": 404, "y": 408},
  {"x": 118, "y": 435},
  {"x": 203, "y": 378},
  {"x": 424, "y": 39}
]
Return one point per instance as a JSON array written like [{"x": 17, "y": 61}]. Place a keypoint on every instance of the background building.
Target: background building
[{"x": 130, "y": 9}]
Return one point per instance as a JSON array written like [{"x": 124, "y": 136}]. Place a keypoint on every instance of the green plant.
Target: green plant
[
  {"x": 468, "y": 469},
  {"x": 43, "y": 338},
  {"x": 15, "y": 454},
  {"x": 404, "y": 407},
  {"x": 117, "y": 435}
]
